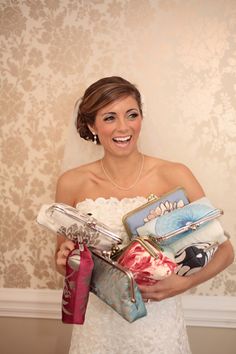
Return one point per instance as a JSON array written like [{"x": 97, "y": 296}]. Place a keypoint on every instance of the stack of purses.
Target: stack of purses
[
  {"x": 87, "y": 269},
  {"x": 191, "y": 231}
]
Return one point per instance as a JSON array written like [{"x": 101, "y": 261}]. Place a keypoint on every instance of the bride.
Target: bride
[{"x": 110, "y": 114}]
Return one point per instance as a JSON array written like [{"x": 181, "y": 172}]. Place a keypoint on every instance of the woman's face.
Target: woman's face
[{"x": 118, "y": 125}]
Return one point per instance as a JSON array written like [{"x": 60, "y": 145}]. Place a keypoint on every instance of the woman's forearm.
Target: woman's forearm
[
  {"x": 61, "y": 270},
  {"x": 176, "y": 284}
]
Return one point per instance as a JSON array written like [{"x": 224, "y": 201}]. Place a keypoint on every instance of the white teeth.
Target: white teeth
[{"x": 122, "y": 139}]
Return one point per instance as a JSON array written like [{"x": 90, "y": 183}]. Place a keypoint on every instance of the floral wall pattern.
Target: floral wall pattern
[{"x": 182, "y": 56}]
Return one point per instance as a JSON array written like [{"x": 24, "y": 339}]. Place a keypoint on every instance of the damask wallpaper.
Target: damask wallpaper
[{"x": 182, "y": 56}]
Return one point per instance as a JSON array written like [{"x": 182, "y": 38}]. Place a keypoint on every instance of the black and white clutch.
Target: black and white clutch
[{"x": 192, "y": 258}]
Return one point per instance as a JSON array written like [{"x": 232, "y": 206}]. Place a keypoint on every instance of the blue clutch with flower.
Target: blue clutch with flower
[
  {"x": 155, "y": 207},
  {"x": 180, "y": 223}
]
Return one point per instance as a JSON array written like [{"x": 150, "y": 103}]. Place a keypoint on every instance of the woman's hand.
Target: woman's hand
[
  {"x": 168, "y": 287},
  {"x": 61, "y": 255},
  {"x": 176, "y": 284}
]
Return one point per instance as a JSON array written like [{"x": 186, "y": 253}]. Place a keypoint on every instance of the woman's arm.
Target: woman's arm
[
  {"x": 65, "y": 193},
  {"x": 176, "y": 284},
  {"x": 178, "y": 174}
]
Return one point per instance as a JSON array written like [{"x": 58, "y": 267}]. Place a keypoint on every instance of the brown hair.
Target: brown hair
[{"x": 97, "y": 96}]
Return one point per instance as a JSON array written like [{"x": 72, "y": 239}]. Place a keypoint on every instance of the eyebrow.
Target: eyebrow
[{"x": 129, "y": 110}]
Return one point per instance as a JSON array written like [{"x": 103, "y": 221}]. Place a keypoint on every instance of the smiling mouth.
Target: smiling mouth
[{"x": 122, "y": 139}]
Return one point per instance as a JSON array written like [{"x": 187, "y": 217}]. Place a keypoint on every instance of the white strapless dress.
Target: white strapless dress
[{"x": 162, "y": 331}]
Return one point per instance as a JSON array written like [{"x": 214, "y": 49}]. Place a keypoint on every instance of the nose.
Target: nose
[{"x": 122, "y": 124}]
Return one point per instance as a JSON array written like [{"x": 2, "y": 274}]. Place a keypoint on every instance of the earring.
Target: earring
[{"x": 95, "y": 138}]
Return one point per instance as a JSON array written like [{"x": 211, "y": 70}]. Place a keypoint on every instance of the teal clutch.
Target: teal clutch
[{"x": 115, "y": 286}]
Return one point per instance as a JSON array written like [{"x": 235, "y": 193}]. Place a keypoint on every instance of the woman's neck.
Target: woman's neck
[{"x": 124, "y": 172}]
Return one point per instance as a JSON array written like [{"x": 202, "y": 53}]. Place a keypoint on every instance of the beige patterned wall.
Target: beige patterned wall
[{"x": 182, "y": 56}]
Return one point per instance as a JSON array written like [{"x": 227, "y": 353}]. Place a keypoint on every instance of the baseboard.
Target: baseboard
[
  {"x": 31, "y": 303},
  {"x": 203, "y": 311},
  {"x": 210, "y": 311}
]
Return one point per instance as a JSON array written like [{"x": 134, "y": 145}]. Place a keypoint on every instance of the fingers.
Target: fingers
[
  {"x": 165, "y": 288},
  {"x": 148, "y": 288},
  {"x": 152, "y": 296},
  {"x": 63, "y": 252},
  {"x": 151, "y": 292}
]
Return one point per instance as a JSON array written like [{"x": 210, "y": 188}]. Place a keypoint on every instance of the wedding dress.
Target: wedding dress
[{"x": 162, "y": 331}]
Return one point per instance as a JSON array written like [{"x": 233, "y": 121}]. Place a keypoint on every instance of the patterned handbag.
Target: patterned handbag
[
  {"x": 155, "y": 206},
  {"x": 76, "y": 226},
  {"x": 180, "y": 223},
  {"x": 75, "y": 296},
  {"x": 147, "y": 260},
  {"x": 115, "y": 286},
  {"x": 192, "y": 258}
]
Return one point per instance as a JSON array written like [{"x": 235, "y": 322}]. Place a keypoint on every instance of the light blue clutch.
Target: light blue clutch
[
  {"x": 212, "y": 232},
  {"x": 179, "y": 223},
  {"x": 155, "y": 206},
  {"x": 115, "y": 286}
]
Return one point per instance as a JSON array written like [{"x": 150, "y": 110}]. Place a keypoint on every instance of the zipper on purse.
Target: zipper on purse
[{"x": 122, "y": 269}]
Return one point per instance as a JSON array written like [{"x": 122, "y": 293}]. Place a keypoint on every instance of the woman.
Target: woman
[{"x": 110, "y": 114}]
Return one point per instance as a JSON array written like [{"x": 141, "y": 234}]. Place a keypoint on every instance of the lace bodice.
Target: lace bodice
[{"x": 162, "y": 331}]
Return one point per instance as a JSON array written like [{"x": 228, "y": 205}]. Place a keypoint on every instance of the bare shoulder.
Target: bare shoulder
[
  {"x": 181, "y": 175},
  {"x": 175, "y": 170},
  {"x": 72, "y": 181},
  {"x": 178, "y": 174}
]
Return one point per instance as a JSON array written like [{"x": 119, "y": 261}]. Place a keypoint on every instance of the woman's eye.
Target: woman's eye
[
  {"x": 133, "y": 115},
  {"x": 109, "y": 118}
]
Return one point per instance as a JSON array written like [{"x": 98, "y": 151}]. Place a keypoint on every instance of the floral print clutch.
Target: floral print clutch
[{"x": 147, "y": 260}]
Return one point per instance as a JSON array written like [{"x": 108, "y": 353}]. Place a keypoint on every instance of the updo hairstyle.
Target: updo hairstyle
[{"x": 97, "y": 96}]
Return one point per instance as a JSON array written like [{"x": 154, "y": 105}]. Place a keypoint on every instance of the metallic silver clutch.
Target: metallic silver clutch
[{"x": 76, "y": 226}]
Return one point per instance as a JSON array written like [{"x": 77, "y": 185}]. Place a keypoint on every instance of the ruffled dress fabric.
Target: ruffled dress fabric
[{"x": 162, "y": 331}]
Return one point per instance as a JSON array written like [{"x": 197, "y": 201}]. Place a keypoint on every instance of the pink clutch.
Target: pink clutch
[
  {"x": 79, "y": 268},
  {"x": 147, "y": 261}
]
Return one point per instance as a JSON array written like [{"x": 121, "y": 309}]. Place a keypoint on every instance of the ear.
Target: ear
[{"x": 92, "y": 129}]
